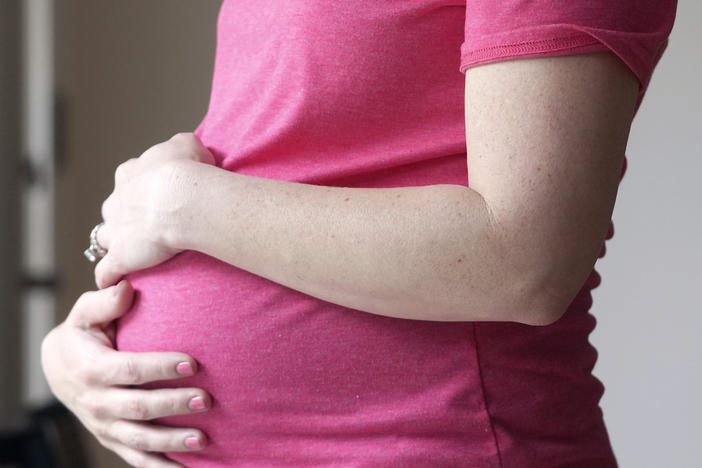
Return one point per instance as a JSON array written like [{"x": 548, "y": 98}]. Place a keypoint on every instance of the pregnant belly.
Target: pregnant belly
[{"x": 297, "y": 381}]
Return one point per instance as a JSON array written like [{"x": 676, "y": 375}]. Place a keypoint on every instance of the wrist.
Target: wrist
[{"x": 180, "y": 199}]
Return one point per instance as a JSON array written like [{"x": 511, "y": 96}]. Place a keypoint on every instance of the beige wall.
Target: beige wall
[{"x": 129, "y": 74}]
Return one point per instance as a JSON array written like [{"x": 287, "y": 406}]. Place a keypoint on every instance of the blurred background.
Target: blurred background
[{"x": 85, "y": 85}]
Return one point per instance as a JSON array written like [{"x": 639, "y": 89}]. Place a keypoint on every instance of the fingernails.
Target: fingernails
[
  {"x": 196, "y": 404},
  {"x": 192, "y": 442},
  {"x": 184, "y": 368}
]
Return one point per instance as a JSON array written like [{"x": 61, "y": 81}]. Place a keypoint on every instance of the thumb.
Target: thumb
[
  {"x": 96, "y": 308},
  {"x": 107, "y": 271}
]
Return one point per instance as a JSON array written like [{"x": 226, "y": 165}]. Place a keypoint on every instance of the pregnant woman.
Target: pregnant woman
[{"x": 376, "y": 249}]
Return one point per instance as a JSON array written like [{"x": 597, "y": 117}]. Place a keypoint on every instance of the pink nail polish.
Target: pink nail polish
[
  {"x": 192, "y": 442},
  {"x": 197, "y": 404},
  {"x": 184, "y": 368}
]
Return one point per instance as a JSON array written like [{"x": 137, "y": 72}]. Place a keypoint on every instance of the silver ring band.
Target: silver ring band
[{"x": 95, "y": 251}]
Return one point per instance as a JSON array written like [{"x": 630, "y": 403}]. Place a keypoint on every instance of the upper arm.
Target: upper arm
[{"x": 545, "y": 144}]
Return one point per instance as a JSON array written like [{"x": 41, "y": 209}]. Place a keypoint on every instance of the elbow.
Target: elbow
[
  {"x": 549, "y": 300},
  {"x": 545, "y": 284},
  {"x": 542, "y": 289},
  {"x": 545, "y": 309}
]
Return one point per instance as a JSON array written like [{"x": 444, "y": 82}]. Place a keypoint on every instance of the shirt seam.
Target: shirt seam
[
  {"x": 483, "y": 395},
  {"x": 563, "y": 41},
  {"x": 487, "y": 53}
]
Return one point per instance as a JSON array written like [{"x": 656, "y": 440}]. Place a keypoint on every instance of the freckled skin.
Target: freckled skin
[{"x": 546, "y": 139}]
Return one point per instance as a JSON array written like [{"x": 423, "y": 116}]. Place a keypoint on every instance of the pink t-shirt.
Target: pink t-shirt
[{"x": 370, "y": 93}]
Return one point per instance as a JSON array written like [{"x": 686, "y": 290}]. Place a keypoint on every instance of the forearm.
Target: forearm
[{"x": 429, "y": 253}]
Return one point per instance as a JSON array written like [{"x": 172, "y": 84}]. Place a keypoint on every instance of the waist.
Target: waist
[{"x": 297, "y": 381}]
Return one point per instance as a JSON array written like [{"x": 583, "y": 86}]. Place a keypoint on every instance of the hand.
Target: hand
[
  {"x": 90, "y": 377},
  {"x": 143, "y": 214}
]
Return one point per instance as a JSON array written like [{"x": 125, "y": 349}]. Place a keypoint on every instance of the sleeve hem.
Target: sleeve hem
[
  {"x": 565, "y": 40},
  {"x": 580, "y": 43}
]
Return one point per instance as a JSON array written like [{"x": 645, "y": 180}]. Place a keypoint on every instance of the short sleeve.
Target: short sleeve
[{"x": 635, "y": 30}]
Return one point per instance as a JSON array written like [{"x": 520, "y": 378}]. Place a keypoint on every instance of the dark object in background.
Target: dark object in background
[{"x": 50, "y": 439}]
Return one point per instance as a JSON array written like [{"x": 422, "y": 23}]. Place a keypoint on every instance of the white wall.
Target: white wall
[{"x": 649, "y": 332}]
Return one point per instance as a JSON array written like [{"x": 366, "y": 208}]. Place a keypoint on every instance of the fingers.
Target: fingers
[
  {"x": 124, "y": 170},
  {"x": 107, "y": 271},
  {"x": 145, "y": 405},
  {"x": 95, "y": 308},
  {"x": 127, "y": 368},
  {"x": 183, "y": 145},
  {"x": 152, "y": 438},
  {"x": 194, "y": 144},
  {"x": 140, "y": 458}
]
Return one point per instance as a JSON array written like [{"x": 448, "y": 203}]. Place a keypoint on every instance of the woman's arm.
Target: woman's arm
[
  {"x": 412, "y": 252},
  {"x": 545, "y": 139}
]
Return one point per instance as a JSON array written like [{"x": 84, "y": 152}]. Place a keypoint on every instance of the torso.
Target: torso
[{"x": 364, "y": 95}]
